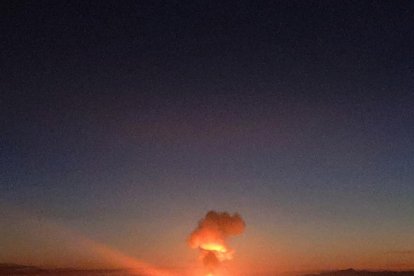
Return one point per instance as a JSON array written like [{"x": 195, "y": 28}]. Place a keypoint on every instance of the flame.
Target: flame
[
  {"x": 214, "y": 247},
  {"x": 214, "y": 253}
]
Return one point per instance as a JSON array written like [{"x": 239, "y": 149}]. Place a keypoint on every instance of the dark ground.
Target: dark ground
[
  {"x": 352, "y": 272},
  {"x": 14, "y": 269}
]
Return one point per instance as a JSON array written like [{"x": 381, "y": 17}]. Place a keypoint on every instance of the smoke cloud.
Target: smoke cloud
[{"x": 210, "y": 237}]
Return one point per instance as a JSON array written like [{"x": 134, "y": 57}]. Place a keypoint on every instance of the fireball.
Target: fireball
[{"x": 210, "y": 236}]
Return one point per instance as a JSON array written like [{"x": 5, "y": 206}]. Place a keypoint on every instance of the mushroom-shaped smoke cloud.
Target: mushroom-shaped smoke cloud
[{"x": 210, "y": 237}]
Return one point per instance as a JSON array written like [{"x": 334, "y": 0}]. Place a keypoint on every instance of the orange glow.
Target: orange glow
[
  {"x": 136, "y": 267},
  {"x": 106, "y": 255},
  {"x": 210, "y": 238},
  {"x": 214, "y": 247},
  {"x": 220, "y": 252}
]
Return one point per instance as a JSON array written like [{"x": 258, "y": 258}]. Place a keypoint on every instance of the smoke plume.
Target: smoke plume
[{"x": 210, "y": 237}]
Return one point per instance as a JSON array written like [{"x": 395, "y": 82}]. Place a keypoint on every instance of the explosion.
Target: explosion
[{"x": 210, "y": 238}]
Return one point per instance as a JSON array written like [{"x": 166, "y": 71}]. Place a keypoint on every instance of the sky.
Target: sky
[{"x": 124, "y": 122}]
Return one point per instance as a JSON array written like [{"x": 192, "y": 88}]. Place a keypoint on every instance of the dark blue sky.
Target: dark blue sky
[{"x": 294, "y": 113}]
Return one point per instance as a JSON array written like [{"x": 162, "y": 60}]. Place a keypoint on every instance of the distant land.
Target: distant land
[
  {"x": 352, "y": 272},
  {"x": 15, "y": 269}
]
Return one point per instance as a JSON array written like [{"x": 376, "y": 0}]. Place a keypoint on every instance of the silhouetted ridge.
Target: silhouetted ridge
[
  {"x": 15, "y": 269},
  {"x": 353, "y": 272}
]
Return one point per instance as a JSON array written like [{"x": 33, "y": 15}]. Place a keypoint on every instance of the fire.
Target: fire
[
  {"x": 210, "y": 236},
  {"x": 214, "y": 247}
]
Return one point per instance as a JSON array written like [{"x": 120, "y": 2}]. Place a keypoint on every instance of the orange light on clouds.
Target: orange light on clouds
[{"x": 210, "y": 238}]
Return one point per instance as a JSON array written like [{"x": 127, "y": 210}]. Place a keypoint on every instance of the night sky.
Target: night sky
[{"x": 127, "y": 121}]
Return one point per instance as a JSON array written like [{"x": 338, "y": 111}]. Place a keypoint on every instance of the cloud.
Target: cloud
[{"x": 211, "y": 234}]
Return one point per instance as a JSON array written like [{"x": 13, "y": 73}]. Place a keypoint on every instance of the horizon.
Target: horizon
[{"x": 46, "y": 269}]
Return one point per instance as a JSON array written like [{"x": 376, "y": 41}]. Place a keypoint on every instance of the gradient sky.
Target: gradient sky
[{"x": 127, "y": 121}]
